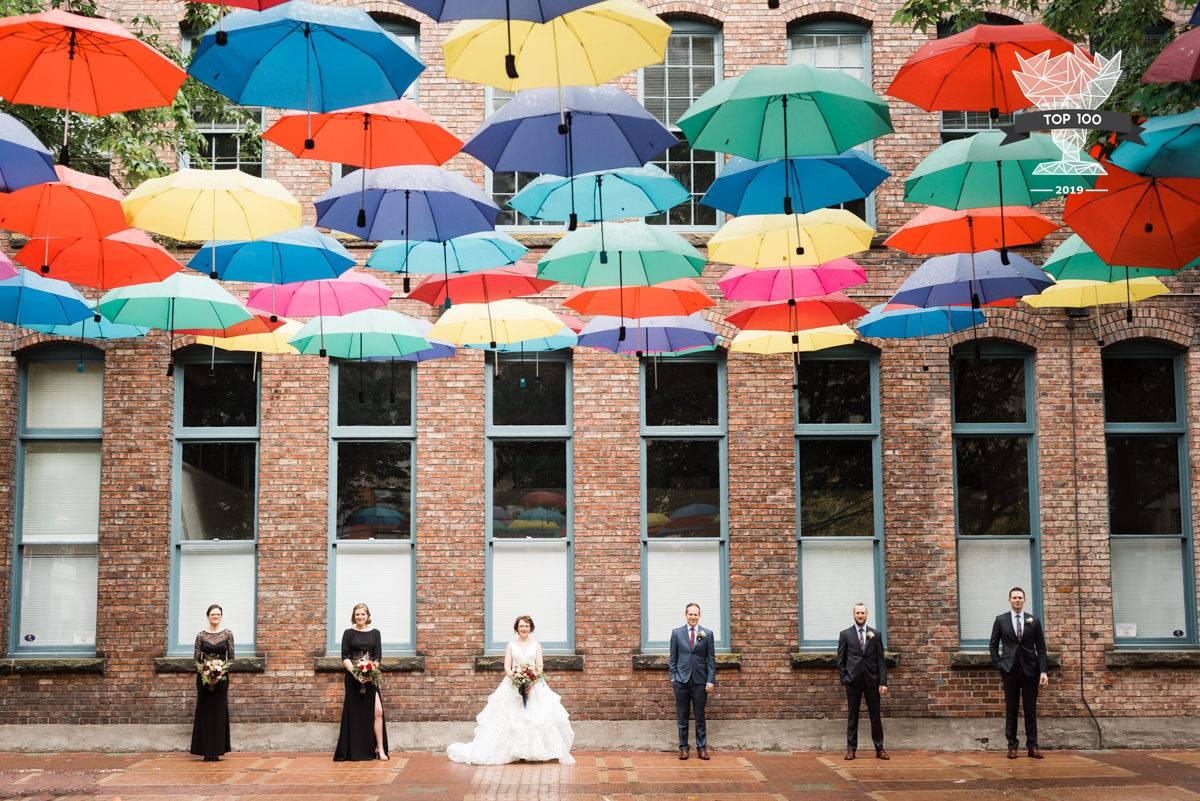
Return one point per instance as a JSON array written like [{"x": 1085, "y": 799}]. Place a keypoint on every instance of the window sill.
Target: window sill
[
  {"x": 828, "y": 659},
  {"x": 185, "y": 664},
  {"x": 389, "y": 664},
  {"x": 974, "y": 660},
  {"x": 1121, "y": 658},
  {"x": 552, "y": 662},
  {"x": 729, "y": 660},
  {"x": 51, "y": 664}
]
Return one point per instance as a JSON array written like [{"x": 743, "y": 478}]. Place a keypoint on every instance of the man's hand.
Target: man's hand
[
  {"x": 883, "y": 689},
  {"x": 1043, "y": 680},
  {"x": 708, "y": 688}
]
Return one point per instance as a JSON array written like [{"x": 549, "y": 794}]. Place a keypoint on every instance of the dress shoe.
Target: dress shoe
[
  {"x": 683, "y": 753},
  {"x": 881, "y": 754},
  {"x": 702, "y": 753},
  {"x": 1012, "y": 753},
  {"x": 849, "y": 755},
  {"x": 1035, "y": 754}
]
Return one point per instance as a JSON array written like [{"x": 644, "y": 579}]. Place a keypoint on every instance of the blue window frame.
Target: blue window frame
[
  {"x": 684, "y": 468},
  {"x": 997, "y": 524},
  {"x": 1149, "y": 505},
  {"x": 372, "y": 500},
  {"x": 839, "y": 486},
  {"x": 214, "y": 503},
  {"x": 57, "y": 505},
  {"x": 529, "y": 489}
]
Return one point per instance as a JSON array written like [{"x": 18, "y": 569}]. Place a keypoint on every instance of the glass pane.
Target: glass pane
[
  {"x": 1139, "y": 390},
  {"x": 526, "y": 392},
  {"x": 837, "y": 488},
  {"x": 683, "y": 488},
  {"x": 225, "y": 576},
  {"x": 381, "y": 576},
  {"x": 1143, "y": 485},
  {"x": 58, "y": 596},
  {"x": 1148, "y": 589},
  {"x": 374, "y": 393},
  {"x": 530, "y": 578},
  {"x": 677, "y": 574},
  {"x": 987, "y": 570},
  {"x": 374, "y": 490},
  {"x": 834, "y": 576},
  {"x": 834, "y": 391},
  {"x": 217, "y": 496},
  {"x": 992, "y": 477},
  {"x": 57, "y": 395},
  {"x": 681, "y": 393},
  {"x": 988, "y": 390},
  {"x": 219, "y": 395},
  {"x": 529, "y": 488},
  {"x": 60, "y": 499}
]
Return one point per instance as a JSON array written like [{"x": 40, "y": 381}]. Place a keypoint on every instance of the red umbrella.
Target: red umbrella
[
  {"x": 936, "y": 230},
  {"x": 1179, "y": 61},
  {"x": 389, "y": 134},
  {"x": 121, "y": 259},
  {"x": 973, "y": 70},
  {"x": 483, "y": 286},
  {"x": 682, "y": 296},
  {"x": 543, "y": 498},
  {"x": 1139, "y": 221},
  {"x": 257, "y": 324},
  {"x": 797, "y": 315}
]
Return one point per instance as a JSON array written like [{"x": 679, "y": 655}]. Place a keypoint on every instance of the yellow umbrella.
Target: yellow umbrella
[
  {"x": 273, "y": 342},
  {"x": 790, "y": 240},
  {"x": 501, "y": 322},
  {"x": 830, "y": 336},
  {"x": 587, "y": 47},
  {"x": 1077, "y": 294}
]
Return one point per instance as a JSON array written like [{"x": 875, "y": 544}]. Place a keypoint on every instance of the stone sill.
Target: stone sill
[
  {"x": 828, "y": 659},
  {"x": 725, "y": 661},
  {"x": 389, "y": 664},
  {"x": 972, "y": 660},
  {"x": 185, "y": 664},
  {"x": 52, "y": 664},
  {"x": 1183, "y": 658},
  {"x": 552, "y": 662}
]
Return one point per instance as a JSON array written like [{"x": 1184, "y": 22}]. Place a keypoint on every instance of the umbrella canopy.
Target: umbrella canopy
[
  {"x": 350, "y": 292},
  {"x": 1077, "y": 294},
  {"x": 297, "y": 254},
  {"x": 1137, "y": 220},
  {"x": 790, "y": 240},
  {"x": 1170, "y": 147},
  {"x": 483, "y": 250},
  {"x": 24, "y": 160},
  {"x": 499, "y": 322},
  {"x": 812, "y": 182},
  {"x": 31, "y": 299},
  {"x": 973, "y": 70},
  {"x": 127, "y": 257},
  {"x": 532, "y": 10},
  {"x": 743, "y": 283},
  {"x": 252, "y": 5},
  {"x": 368, "y": 332},
  {"x": 7, "y": 270},
  {"x": 565, "y": 338},
  {"x": 75, "y": 205},
  {"x": 1179, "y": 61},
  {"x": 436, "y": 350},
  {"x": 91, "y": 328},
  {"x": 387, "y": 134},
  {"x": 648, "y": 335},
  {"x": 605, "y": 195},
  {"x": 620, "y": 254},
  {"x": 1074, "y": 260},
  {"x": 813, "y": 339},
  {"x": 832, "y": 309},
  {"x": 257, "y": 324},
  {"x": 482, "y": 286},
  {"x": 965, "y": 279},
  {"x": 904, "y": 322},
  {"x": 936, "y": 230},
  {"x": 178, "y": 302},
  {"x": 680, "y": 297}
]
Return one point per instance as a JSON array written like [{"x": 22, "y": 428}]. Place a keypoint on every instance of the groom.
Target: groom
[{"x": 692, "y": 667}]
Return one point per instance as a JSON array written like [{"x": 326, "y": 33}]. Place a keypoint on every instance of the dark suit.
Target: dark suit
[
  {"x": 691, "y": 667},
  {"x": 863, "y": 672},
  {"x": 1021, "y": 663}
]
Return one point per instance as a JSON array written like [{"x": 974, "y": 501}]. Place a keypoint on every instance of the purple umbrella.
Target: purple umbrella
[
  {"x": 24, "y": 161},
  {"x": 960, "y": 280},
  {"x": 648, "y": 334}
]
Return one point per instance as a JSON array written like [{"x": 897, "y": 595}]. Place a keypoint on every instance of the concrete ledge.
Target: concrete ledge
[
  {"x": 185, "y": 664},
  {"x": 975, "y": 660},
  {"x": 725, "y": 661},
  {"x": 389, "y": 664},
  {"x": 51, "y": 664},
  {"x": 551, "y": 662},
  {"x": 828, "y": 659},
  {"x": 1184, "y": 658}
]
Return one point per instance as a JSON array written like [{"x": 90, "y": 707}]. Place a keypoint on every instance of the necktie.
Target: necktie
[
  {"x": 1020, "y": 627},
  {"x": 692, "y": 637},
  {"x": 862, "y": 640}
]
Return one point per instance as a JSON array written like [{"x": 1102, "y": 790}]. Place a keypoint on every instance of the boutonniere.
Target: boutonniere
[
  {"x": 1029, "y": 619},
  {"x": 870, "y": 635},
  {"x": 700, "y": 635}
]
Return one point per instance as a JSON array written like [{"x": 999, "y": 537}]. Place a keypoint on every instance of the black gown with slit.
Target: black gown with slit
[
  {"x": 210, "y": 728},
  {"x": 356, "y": 741}
]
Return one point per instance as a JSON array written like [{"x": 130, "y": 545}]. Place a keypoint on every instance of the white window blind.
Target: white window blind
[
  {"x": 58, "y": 596},
  {"x": 59, "y": 396},
  {"x": 987, "y": 570},
  {"x": 530, "y": 578},
  {"x": 221, "y": 575},
  {"x": 1147, "y": 586},
  {"x": 679, "y": 573},
  {"x": 61, "y": 497},
  {"x": 380, "y": 576},
  {"x": 834, "y": 576}
]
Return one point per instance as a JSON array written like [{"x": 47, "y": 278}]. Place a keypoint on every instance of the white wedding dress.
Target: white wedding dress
[{"x": 507, "y": 731}]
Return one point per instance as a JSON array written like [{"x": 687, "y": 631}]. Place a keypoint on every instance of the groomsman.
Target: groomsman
[
  {"x": 692, "y": 667},
  {"x": 863, "y": 671},
  {"x": 1018, "y": 648}
]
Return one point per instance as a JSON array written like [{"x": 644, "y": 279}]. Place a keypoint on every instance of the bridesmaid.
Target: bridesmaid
[
  {"x": 210, "y": 729},
  {"x": 363, "y": 735}
]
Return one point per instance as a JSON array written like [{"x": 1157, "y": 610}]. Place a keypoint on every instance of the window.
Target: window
[
  {"x": 837, "y": 45},
  {"x": 371, "y": 450},
  {"x": 684, "y": 489},
  {"x": 502, "y": 186},
  {"x": 1149, "y": 517},
  {"x": 693, "y": 66},
  {"x": 961, "y": 124},
  {"x": 215, "y": 498},
  {"x": 229, "y": 144},
  {"x": 530, "y": 537},
  {"x": 995, "y": 482},
  {"x": 57, "y": 525},
  {"x": 839, "y": 518}
]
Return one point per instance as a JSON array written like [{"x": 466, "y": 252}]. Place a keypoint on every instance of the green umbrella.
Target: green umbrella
[
  {"x": 1074, "y": 260},
  {"x": 630, "y": 254},
  {"x": 362, "y": 335}
]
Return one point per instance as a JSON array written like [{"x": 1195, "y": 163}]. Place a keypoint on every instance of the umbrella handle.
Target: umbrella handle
[
  {"x": 309, "y": 144},
  {"x": 64, "y": 155},
  {"x": 600, "y": 203},
  {"x": 222, "y": 37},
  {"x": 573, "y": 220},
  {"x": 510, "y": 60},
  {"x": 787, "y": 184},
  {"x": 407, "y": 252},
  {"x": 773, "y": 4},
  {"x": 1000, "y": 186}
]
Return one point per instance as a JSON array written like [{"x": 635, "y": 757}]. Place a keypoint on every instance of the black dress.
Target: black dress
[
  {"x": 356, "y": 741},
  {"x": 210, "y": 729}
]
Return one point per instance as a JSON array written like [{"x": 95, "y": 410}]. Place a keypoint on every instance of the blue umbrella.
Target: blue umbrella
[
  {"x": 1170, "y": 147},
  {"x": 31, "y": 299},
  {"x": 565, "y": 338},
  {"x": 606, "y": 195},
  {"x": 649, "y": 334},
  {"x": 813, "y": 182},
  {"x": 960, "y": 280},
  {"x": 298, "y": 254},
  {"x": 462, "y": 254},
  {"x": 24, "y": 161},
  {"x": 91, "y": 328},
  {"x": 377, "y": 516},
  {"x": 902, "y": 323},
  {"x": 1195, "y": 20},
  {"x": 541, "y": 513}
]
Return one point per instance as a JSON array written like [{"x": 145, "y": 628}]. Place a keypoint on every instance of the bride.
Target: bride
[{"x": 538, "y": 731}]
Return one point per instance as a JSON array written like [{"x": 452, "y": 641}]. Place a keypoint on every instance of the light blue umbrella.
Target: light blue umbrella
[
  {"x": 1171, "y": 147},
  {"x": 357, "y": 335},
  {"x": 92, "y": 328},
  {"x": 812, "y": 182},
  {"x": 566, "y": 338},
  {"x": 298, "y": 254},
  {"x": 605, "y": 195},
  {"x": 31, "y": 299},
  {"x": 469, "y": 253},
  {"x": 904, "y": 323}
]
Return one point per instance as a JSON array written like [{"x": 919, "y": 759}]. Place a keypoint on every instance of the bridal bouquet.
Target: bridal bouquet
[
  {"x": 213, "y": 671},
  {"x": 366, "y": 669},
  {"x": 524, "y": 677}
]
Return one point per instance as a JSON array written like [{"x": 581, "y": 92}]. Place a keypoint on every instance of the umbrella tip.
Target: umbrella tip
[
  {"x": 492, "y": 344},
  {"x": 361, "y": 220},
  {"x": 604, "y": 257},
  {"x": 1129, "y": 315},
  {"x": 510, "y": 66},
  {"x": 309, "y": 144},
  {"x": 772, "y": 4},
  {"x": 222, "y": 38},
  {"x": 64, "y": 155},
  {"x": 96, "y": 317},
  {"x": 573, "y": 222},
  {"x": 323, "y": 353},
  {"x": 1004, "y": 257},
  {"x": 45, "y": 269},
  {"x": 1149, "y": 228},
  {"x": 213, "y": 275},
  {"x": 274, "y": 318},
  {"x": 522, "y": 383},
  {"x": 787, "y": 204},
  {"x": 621, "y": 334},
  {"x": 993, "y": 112},
  {"x": 799, "y": 250}
]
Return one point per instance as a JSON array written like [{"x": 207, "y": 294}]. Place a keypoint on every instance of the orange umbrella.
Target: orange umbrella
[
  {"x": 389, "y": 134},
  {"x": 257, "y": 324},
  {"x": 936, "y": 230},
  {"x": 799, "y": 315},
  {"x": 483, "y": 286},
  {"x": 682, "y": 296},
  {"x": 121, "y": 259}
]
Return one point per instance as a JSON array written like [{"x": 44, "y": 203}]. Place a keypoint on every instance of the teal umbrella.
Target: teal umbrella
[
  {"x": 626, "y": 254},
  {"x": 1074, "y": 260},
  {"x": 1170, "y": 147},
  {"x": 90, "y": 328},
  {"x": 604, "y": 195},
  {"x": 362, "y": 334},
  {"x": 462, "y": 254}
]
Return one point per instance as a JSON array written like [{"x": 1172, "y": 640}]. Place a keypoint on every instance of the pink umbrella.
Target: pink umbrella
[
  {"x": 7, "y": 270},
  {"x": 330, "y": 297},
  {"x": 741, "y": 283}
]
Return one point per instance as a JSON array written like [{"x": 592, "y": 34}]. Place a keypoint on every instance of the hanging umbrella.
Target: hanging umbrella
[
  {"x": 436, "y": 350},
  {"x": 743, "y": 283},
  {"x": 808, "y": 341},
  {"x": 7, "y": 270},
  {"x": 90, "y": 328},
  {"x": 482, "y": 286},
  {"x": 1139, "y": 221},
  {"x": 1078, "y": 294},
  {"x": 1074, "y": 260},
  {"x": 618, "y": 194},
  {"x": 31, "y": 299},
  {"x": 636, "y": 254},
  {"x": 790, "y": 240},
  {"x": 349, "y": 292},
  {"x": 24, "y": 160},
  {"x": 275, "y": 341},
  {"x": 1178, "y": 62},
  {"x": 461, "y": 254},
  {"x": 179, "y": 302},
  {"x": 127, "y": 257},
  {"x": 499, "y": 322},
  {"x": 359, "y": 334},
  {"x": 564, "y": 338},
  {"x": 648, "y": 335},
  {"x": 680, "y": 297},
  {"x": 814, "y": 182},
  {"x": 936, "y": 230},
  {"x": 797, "y": 315},
  {"x": 222, "y": 38},
  {"x": 256, "y": 325},
  {"x": 970, "y": 279},
  {"x": 1170, "y": 147},
  {"x": 297, "y": 254},
  {"x": 898, "y": 321}
]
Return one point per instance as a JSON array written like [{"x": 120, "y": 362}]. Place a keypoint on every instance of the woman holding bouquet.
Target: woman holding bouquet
[
  {"x": 363, "y": 735},
  {"x": 213, "y": 654},
  {"x": 523, "y": 719}
]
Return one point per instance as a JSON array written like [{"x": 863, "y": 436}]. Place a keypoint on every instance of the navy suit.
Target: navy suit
[
  {"x": 691, "y": 667},
  {"x": 1021, "y": 661}
]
